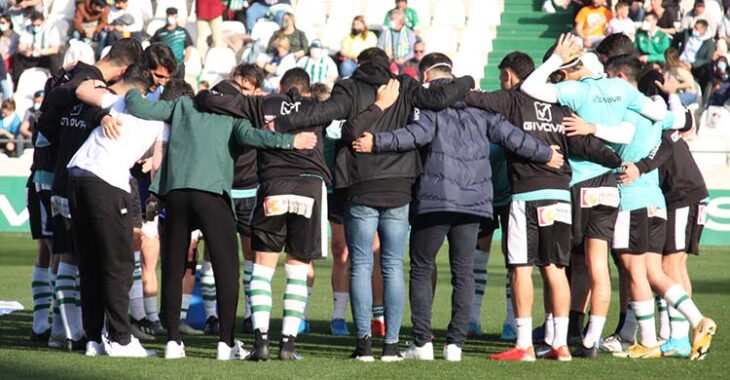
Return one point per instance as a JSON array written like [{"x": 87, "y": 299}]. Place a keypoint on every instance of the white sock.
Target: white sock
[
  {"x": 645, "y": 318},
  {"x": 261, "y": 297},
  {"x": 379, "y": 313},
  {"x": 57, "y": 323},
  {"x": 480, "y": 259},
  {"x": 306, "y": 306},
  {"x": 664, "y": 329},
  {"x": 136, "y": 292},
  {"x": 680, "y": 300},
  {"x": 339, "y": 304},
  {"x": 595, "y": 329},
  {"x": 678, "y": 323},
  {"x": 524, "y": 332},
  {"x": 510, "y": 310},
  {"x": 561, "y": 331},
  {"x": 549, "y": 329},
  {"x": 207, "y": 290},
  {"x": 42, "y": 299},
  {"x": 66, "y": 294},
  {"x": 150, "y": 307},
  {"x": 247, "y": 271},
  {"x": 628, "y": 330},
  {"x": 295, "y": 298},
  {"x": 184, "y": 306}
]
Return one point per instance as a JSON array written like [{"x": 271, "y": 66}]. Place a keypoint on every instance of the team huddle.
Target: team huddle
[{"x": 576, "y": 160}]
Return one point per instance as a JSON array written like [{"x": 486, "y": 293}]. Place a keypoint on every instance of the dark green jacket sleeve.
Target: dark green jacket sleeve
[
  {"x": 143, "y": 108},
  {"x": 257, "y": 138}
]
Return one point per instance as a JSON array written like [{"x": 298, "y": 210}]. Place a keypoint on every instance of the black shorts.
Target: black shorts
[
  {"x": 684, "y": 229},
  {"x": 336, "y": 206},
  {"x": 289, "y": 215},
  {"x": 539, "y": 233},
  {"x": 640, "y": 231},
  {"x": 38, "y": 202},
  {"x": 63, "y": 242},
  {"x": 595, "y": 207},
  {"x": 244, "y": 213},
  {"x": 500, "y": 219},
  {"x": 136, "y": 211}
]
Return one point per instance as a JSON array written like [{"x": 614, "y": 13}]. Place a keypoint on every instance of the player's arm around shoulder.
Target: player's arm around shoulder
[{"x": 246, "y": 134}]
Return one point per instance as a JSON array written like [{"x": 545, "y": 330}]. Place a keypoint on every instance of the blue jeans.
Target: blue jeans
[
  {"x": 347, "y": 68},
  {"x": 361, "y": 223}
]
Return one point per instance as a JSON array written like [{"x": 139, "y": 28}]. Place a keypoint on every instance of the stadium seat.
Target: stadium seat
[
  {"x": 153, "y": 26},
  {"x": 146, "y": 5},
  {"x": 79, "y": 51},
  {"x": 218, "y": 65},
  {"x": 312, "y": 12},
  {"x": 484, "y": 13},
  {"x": 476, "y": 40},
  {"x": 423, "y": 9},
  {"x": 263, "y": 30},
  {"x": 449, "y": 13},
  {"x": 192, "y": 28},
  {"x": 62, "y": 25},
  {"x": 442, "y": 39},
  {"x": 375, "y": 11},
  {"x": 31, "y": 80},
  {"x": 467, "y": 63},
  {"x": 62, "y": 9},
  {"x": 342, "y": 12},
  {"x": 194, "y": 65},
  {"x": 233, "y": 27},
  {"x": 332, "y": 35}
]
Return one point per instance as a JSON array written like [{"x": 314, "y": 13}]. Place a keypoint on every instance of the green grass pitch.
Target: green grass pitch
[{"x": 326, "y": 356}]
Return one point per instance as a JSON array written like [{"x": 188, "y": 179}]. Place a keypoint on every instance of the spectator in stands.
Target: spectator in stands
[
  {"x": 8, "y": 39},
  {"x": 297, "y": 39},
  {"x": 124, "y": 12},
  {"x": 20, "y": 12},
  {"x": 723, "y": 32},
  {"x": 250, "y": 78},
  {"x": 280, "y": 62},
  {"x": 651, "y": 42},
  {"x": 359, "y": 39},
  {"x": 162, "y": 64},
  {"x": 38, "y": 47},
  {"x": 397, "y": 41},
  {"x": 591, "y": 22},
  {"x": 320, "y": 67},
  {"x": 260, "y": 8},
  {"x": 10, "y": 127},
  {"x": 679, "y": 72},
  {"x": 667, "y": 14},
  {"x": 410, "y": 15},
  {"x": 177, "y": 38},
  {"x": 90, "y": 22},
  {"x": 720, "y": 84},
  {"x": 696, "y": 48},
  {"x": 698, "y": 13},
  {"x": 209, "y": 15},
  {"x": 411, "y": 66},
  {"x": 621, "y": 23},
  {"x": 29, "y": 122},
  {"x": 636, "y": 10}
]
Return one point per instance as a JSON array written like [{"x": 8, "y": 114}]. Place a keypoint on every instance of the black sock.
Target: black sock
[
  {"x": 620, "y": 325},
  {"x": 575, "y": 323}
]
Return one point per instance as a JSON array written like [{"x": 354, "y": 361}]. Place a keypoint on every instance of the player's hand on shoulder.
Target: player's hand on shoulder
[
  {"x": 111, "y": 127},
  {"x": 575, "y": 126},
  {"x": 364, "y": 144},
  {"x": 305, "y": 140},
  {"x": 629, "y": 174},
  {"x": 556, "y": 160},
  {"x": 388, "y": 94}
]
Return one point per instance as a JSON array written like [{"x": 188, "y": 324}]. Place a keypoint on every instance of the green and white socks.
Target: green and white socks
[
  {"x": 184, "y": 306},
  {"x": 664, "y": 328},
  {"x": 261, "y": 297},
  {"x": 679, "y": 299},
  {"x": 207, "y": 289},
  {"x": 295, "y": 298},
  {"x": 247, "y": 273},
  {"x": 42, "y": 299},
  {"x": 67, "y": 294},
  {"x": 628, "y": 330},
  {"x": 480, "y": 260},
  {"x": 644, "y": 311},
  {"x": 136, "y": 292}
]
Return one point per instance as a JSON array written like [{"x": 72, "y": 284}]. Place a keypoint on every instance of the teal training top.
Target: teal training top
[
  {"x": 501, "y": 185},
  {"x": 602, "y": 101}
]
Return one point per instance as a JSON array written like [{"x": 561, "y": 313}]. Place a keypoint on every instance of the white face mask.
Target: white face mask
[
  {"x": 36, "y": 106},
  {"x": 645, "y": 26},
  {"x": 315, "y": 53},
  {"x": 4, "y": 27},
  {"x": 171, "y": 20},
  {"x": 37, "y": 28}
]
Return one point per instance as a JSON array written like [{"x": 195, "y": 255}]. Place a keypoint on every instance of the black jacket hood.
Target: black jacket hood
[{"x": 373, "y": 73}]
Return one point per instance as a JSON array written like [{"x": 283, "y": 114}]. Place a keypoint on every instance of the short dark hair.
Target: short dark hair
[
  {"x": 125, "y": 52},
  {"x": 137, "y": 74},
  {"x": 647, "y": 85},
  {"x": 628, "y": 65},
  {"x": 251, "y": 72},
  {"x": 432, "y": 59},
  {"x": 295, "y": 78},
  {"x": 35, "y": 15},
  {"x": 520, "y": 63},
  {"x": 615, "y": 44},
  {"x": 176, "y": 88},
  {"x": 374, "y": 55},
  {"x": 159, "y": 54},
  {"x": 702, "y": 22},
  {"x": 101, "y": 3},
  {"x": 320, "y": 91},
  {"x": 652, "y": 14},
  {"x": 171, "y": 11},
  {"x": 623, "y": 4}
]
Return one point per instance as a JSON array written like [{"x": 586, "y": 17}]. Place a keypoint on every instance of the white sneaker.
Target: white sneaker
[
  {"x": 174, "y": 350},
  {"x": 418, "y": 353},
  {"x": 226, "y": 352},
  {"x": 548, "y": 7},
  {"x": 615, "y": 344},
  {"x": 94, "y": 349},
  {"x": 133, "y": 349},
  {"x": 452, "y": 353}
]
